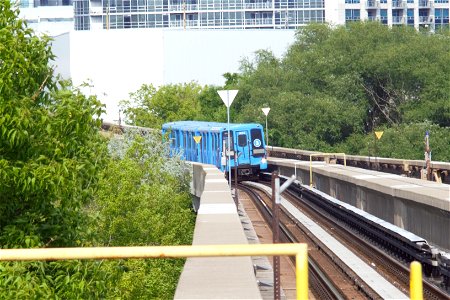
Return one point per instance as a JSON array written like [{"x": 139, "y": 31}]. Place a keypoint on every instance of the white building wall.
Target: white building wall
[
  {"x": 118, "y": 62},
  {"x": 52, "y": 20},
  {"x": 335, "y": 12}
]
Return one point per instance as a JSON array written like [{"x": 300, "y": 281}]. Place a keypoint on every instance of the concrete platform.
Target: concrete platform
[
  {"x": 419, "y": 206},
  {"x": 217, "y": 223}
]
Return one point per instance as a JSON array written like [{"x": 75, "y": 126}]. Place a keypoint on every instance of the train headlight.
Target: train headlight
[{"x": 264, "y": 160}]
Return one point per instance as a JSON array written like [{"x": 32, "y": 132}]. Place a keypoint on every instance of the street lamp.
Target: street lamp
[
  {"x": 227, "y": 97},
  {"x": 266, "y": 112}
]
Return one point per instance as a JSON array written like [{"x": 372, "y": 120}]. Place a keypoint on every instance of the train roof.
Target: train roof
[{"x": 207, "y": 126}]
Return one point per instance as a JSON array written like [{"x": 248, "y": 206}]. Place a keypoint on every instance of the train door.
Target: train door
[
  {"x": 225, "y": 148},
  {"x": 242, "y": 147}
]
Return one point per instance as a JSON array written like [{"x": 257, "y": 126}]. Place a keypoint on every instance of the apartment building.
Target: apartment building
[
  {"x": 255, "y": 14},
  {"x": 422, "y": 14}
]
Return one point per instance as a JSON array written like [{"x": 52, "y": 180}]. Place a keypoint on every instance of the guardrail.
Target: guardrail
[
  {"x": 411, "y": 168},
  {"x": 324, "y": 155},
  {"x": 299, "y": 250}
]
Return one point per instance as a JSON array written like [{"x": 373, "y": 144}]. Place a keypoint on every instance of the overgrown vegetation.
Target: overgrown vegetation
[
  {"x": 333, "y": 88},
  {"x": 63, "y": 185}
]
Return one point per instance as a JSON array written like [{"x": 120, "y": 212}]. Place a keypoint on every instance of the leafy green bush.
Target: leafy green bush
[{"x": 143, "y": 199}]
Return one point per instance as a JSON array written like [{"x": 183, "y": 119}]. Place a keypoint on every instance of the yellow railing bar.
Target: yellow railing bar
[
  {"x": 415, "y": 282},
  {"x": 320, "y": 154},
  {"x": 299, "y": 250}
]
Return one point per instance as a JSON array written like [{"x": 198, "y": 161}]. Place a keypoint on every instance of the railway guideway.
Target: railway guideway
[{"x": 418, "y": 206}]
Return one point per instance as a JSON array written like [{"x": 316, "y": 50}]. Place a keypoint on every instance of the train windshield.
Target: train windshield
[
  {"x": 242, "y": 139},
  {"x": 257, "y": 142}
]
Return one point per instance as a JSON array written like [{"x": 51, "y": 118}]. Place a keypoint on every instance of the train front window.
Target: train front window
[
  {"x": 257, "y": 142},
  {"x": 242, "y": 139}
]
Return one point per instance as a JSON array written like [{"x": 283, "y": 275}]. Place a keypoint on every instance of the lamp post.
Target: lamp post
[
  {"x": 227, "y": 97},
  {"x": 266, "y": 112}
]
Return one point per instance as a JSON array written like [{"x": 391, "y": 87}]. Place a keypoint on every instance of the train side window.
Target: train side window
[{"x": 242, "y": 139}]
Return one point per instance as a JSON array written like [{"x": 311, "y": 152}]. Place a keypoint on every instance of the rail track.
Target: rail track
[
  {"x": 341, "y": 282},
  {"x": 325, "y": 279}
]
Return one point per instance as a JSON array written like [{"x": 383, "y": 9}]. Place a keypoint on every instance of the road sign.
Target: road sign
[
  {"x": 378, "y": 134},
  {"x": 227, "y": 96},
  {"x": 197, "y": 138}
]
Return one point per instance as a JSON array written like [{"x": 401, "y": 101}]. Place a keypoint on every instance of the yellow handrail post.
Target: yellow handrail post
[
  {"x": 301, "y": 264},
  {"x": 415, "y": 283},
  {"x": 319, "y": 154}
]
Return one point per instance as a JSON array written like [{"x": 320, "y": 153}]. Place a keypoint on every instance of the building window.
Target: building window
[
  {"x": 383, "y": 16},
  {"x": 410, "y": 16},
  {"x": 351, "y": 1},
  {"x": 352, "y": 15},
  {"x": 441, "y": 16}
]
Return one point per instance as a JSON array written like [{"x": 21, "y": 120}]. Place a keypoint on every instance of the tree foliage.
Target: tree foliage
[
  {"x": 50, "y": 149},
  {"x": 143, "y": 199},
  {"x": 333, "y": 86},
  {"x": 151, "y": 107},
  {"x": 338, "y": 83},
  {"x": 59, "y": 187}
]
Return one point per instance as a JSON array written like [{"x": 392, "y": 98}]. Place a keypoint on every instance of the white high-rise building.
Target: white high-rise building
[
  {"x": 255, "y": 14},
  {"x": 230, "y": 14}
]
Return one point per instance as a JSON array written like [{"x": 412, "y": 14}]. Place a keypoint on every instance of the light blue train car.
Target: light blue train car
[{"x": 207, "y": 142}]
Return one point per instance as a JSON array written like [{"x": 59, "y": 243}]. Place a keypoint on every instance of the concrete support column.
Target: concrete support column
[{"x": 400, "y": 214}]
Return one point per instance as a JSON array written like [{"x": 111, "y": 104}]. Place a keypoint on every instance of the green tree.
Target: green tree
[
  {"x": 338, "y": 83},
  {"x": 151, "y": 107},
  {"x": 50, "y": 154},
  {"x": 50, "y": 149},
  {"x": 143, "y": 199}
]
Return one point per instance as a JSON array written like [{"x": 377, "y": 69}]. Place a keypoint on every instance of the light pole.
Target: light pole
[
  {"x": 266, "y": 112},
  {"x": 227, "y": 97}
]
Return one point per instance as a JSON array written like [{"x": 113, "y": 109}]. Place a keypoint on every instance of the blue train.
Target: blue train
[{"x": 207, "y": 142}]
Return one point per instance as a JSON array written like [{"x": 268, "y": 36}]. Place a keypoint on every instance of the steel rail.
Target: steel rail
[
  {"x": 319, "y": 279},
  {"x": 402, "y": 271}
]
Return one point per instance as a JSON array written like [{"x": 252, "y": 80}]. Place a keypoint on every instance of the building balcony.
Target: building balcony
[
  {"x": 424, "y": 4},
  {"x": 372, "y": 4},
  {"x": 398, "y": 20},
  {"x": 258, "y": 21},
  {"x": 183, "y": 7},
  {"x": 96, "y": 11},
  {"x": 259, "y": 6},
  {"x": 398, "y": 4},
  {"x": 352, "y": 19},
  {"x": 425, "y": 19}
]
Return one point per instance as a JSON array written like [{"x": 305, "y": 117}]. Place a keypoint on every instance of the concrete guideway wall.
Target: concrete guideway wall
[
  {"x": 421, "y": 207},
  {"x": 217, "y": 223}
]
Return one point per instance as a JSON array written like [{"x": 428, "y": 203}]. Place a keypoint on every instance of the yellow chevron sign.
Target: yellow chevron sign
[
  {"x": 378, "y": 134},
  {"x": 197, "y": 138}
]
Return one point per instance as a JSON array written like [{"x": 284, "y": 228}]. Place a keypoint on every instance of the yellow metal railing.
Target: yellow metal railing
[
  {"x": 415, "y": 281},
  {"x": 299, "y": 250},
  {"x": 321, "y": 154}
]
